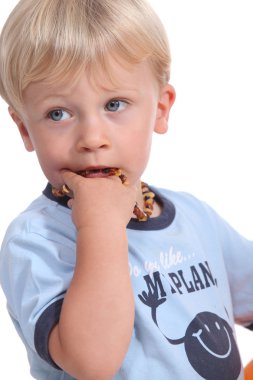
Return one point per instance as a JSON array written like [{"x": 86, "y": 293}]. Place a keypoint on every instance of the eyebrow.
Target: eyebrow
[
  {"x": 118, "y": 89},
  {"x": 37, "y": 101}
]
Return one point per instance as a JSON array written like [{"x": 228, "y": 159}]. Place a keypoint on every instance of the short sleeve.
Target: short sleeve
[
  {"x": 36, "y": 267},
  {"x": 238, "y": 259}
]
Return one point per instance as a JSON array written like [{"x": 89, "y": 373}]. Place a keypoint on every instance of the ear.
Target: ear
[
  {"x": 166, "y": 100},
  {"x": 22, "y": 129}
]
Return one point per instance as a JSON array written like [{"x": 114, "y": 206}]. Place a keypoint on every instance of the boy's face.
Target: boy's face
[{"x": 82, "y": 125}]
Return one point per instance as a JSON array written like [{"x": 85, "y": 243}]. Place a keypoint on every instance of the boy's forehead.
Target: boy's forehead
[{"x": 117, "y": 77}]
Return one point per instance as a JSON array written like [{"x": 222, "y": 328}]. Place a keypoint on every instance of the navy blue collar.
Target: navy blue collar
[{"x": 162, "y": 221}]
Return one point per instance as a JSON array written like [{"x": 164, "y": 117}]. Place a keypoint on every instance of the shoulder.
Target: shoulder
[
  {"x": 185, "y": 202},
  {"x": 41, "y": 235},
  {"x": 194, "y": 212},
  {"x": 41, "y": 216}
]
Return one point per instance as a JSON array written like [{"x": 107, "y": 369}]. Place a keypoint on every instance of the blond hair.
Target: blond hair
[{"x": 52, "y": 39}]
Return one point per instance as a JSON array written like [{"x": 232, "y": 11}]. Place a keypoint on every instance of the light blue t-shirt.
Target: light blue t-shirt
[{"x": 191, "y": 275}]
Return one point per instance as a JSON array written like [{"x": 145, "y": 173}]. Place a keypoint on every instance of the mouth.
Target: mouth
[
  {"x": 92, "y": 173},
  {"x": 99, "y": 172},
  {"x": 103, "y": 173}
]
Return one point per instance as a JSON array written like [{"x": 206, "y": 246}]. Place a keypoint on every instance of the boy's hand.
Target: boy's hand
[{"x": 97, "y": 201}]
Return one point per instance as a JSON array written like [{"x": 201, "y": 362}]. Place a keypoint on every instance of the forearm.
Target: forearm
[{"x": 96, "y": 321}]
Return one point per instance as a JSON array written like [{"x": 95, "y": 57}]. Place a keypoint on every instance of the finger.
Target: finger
[
  {"x": 67, "y": 187},
  {"x": 70, "y": 203},
  {"x": 68, "y": 176},
  {"x": 70, "y": 179}
]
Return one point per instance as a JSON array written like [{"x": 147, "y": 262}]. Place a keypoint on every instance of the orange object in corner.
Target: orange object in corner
[{"x": 248, "y": 371}]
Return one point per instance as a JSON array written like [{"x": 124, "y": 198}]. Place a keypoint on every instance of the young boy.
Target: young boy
[{"x": 94, "y": 290}]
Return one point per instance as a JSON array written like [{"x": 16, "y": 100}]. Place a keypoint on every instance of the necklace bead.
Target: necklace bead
[{"x": 148, "y": 204}]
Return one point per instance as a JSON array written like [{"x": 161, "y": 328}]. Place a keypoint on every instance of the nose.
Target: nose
[{"x": 92, "y": 136}]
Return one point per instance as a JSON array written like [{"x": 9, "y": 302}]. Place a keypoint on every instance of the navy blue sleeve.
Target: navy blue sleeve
[{"x": 48, "y": 319}]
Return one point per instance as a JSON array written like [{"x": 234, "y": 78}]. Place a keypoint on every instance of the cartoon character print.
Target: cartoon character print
[{"x": 209, "y": 342}]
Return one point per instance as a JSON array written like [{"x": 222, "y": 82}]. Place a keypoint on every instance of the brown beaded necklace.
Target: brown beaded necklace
[
  {"x": 148, "y": 197},
  {"x": 148, "y": 200}
]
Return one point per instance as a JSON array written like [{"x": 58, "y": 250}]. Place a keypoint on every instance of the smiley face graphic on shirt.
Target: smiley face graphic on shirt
[{"x": 209, "y": 342}]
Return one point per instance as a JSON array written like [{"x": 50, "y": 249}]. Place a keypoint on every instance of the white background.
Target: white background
[{"x": 207, "y": 151}]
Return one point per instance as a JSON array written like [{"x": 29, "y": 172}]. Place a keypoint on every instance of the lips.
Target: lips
[
  {"x": 97, "y": 172},
  {"x": 103, "y": 173},
  {"x": 92, "y": 173}
]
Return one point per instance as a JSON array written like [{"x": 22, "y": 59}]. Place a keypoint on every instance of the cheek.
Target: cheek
[
  {"x": 137, "y": 150},
  {"x": 138, "y": 135},
  {"x": 142, "y": 152},
  {"x": 51, "y": 162},
  {"x": 51, "y": 146}
]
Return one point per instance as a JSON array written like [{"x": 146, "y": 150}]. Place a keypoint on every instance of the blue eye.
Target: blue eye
[
  {"x": 58, "y": 115},
  {"x": 115, "y": 105}
]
